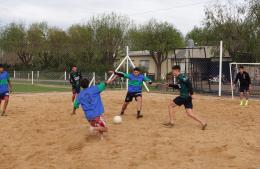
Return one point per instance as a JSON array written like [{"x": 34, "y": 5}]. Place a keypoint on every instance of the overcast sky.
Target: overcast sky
[{"x": 184, "y": 14}]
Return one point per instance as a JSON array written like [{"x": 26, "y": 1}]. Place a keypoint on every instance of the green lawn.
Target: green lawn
[{"x": 28, "y": 88}]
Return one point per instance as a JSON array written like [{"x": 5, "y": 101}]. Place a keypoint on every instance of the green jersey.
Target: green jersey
[
  {"x": 75, "y": 78},
  {"x": 185, "y": 86}
]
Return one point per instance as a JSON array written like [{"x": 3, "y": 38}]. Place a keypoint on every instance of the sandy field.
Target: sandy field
[{"x": 40, "y": 133}]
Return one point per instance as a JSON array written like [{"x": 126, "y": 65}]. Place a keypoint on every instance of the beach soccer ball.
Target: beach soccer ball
[{"x": 117, "y": 120}]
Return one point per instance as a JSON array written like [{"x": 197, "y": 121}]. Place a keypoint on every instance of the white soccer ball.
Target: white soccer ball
[{"x": 117, "y": 120}]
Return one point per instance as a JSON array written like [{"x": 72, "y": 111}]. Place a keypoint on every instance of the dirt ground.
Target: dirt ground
[{"x": 40, "y": 133}]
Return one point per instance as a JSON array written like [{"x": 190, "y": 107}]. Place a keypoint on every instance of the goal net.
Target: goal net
[{"x": 253, "y": 69}]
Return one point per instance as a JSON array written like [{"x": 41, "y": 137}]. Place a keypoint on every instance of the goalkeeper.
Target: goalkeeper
[
  {"x": 185, "y": 98},
  {"x": 135, "y": 83}
]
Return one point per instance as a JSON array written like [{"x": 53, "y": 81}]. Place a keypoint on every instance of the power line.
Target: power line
[{"x": 166, "y": 9}]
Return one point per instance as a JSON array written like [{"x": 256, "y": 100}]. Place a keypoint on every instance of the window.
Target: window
[{"x": 145, "y": 64}]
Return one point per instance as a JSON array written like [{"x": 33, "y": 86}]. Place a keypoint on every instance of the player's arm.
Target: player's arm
[
  {"x": 122, "y": 74},
  {"x": 189, "y": 85},
  {"x": 71, "y": 79},
  {"x": 174, "y": 86},
  {"x": 147, "y": 79},
  {"x": 75, "y": 106},
  {"x": 236, "y": 79}
]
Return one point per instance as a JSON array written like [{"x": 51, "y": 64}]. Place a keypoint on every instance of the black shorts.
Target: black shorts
[
  {"x": 75, "y": 90},
  {"x": 243, "y": 89},
  {"x": 187, "y": 102},
  {"x": 129, "y": 97}
]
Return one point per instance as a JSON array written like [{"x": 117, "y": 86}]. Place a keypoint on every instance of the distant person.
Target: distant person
[
  {"x": 5, "y": 88},
  {"x": 75, "y": 78},
  {"x": 185, "y": 98},
  {"x": 135, "y": 84},
  {"x": 90, "y": 100},
  {"x": 245, "y": 85}
]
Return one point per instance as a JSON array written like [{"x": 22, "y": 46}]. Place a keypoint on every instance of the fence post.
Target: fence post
[
  {"x": 14, "y": 74},
  {"x": 38, "y": 74},
  {"x": 32, "y": 78},
  {"x": 105, "y": 75},
  {"x": 28, "y": 76},
  {"x": 127, "y": 66},
  {"x": 65, "y": 75},
  {"x": 94, "y": 77},
  {"x": 220, "y": 69}
]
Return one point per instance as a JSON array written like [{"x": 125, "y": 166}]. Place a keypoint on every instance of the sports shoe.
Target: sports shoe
[
  {"x": 241, "y": 102},
  {"x": 246, "y": 103}
]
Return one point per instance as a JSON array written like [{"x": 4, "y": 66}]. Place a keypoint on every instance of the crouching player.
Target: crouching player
[
  {"x": 5, "y": 88},
  {"x": 185, "y": 98},
  {"x": 135, "y": 83},
  {"x": 90, "y": 100}
]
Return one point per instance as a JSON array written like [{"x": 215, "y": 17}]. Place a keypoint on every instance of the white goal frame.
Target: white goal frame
[{"x": 231, "y": 77}]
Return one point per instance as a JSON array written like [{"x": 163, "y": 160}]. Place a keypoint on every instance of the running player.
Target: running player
[
  {"x": 135, "y": 83},
  {"x": 185, "y": 98},
  {"x": 90, "y": 100},
  {"x": 75, "y": 77},
  {"x": 245, "y": 85},
  {"x": 5, "y": 88}
]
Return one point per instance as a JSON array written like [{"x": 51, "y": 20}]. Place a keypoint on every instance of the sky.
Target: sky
[{"x": 183, "y": 14}]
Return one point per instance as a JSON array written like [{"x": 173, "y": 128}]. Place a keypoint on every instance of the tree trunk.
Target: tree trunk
[{"x": 159, "y": 71}]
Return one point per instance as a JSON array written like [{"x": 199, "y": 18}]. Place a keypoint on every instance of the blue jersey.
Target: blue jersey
[
  {"x": 135, "y": 83},
  {"x": 90, "y": 101},
  {"x": 4, "y": 78}
]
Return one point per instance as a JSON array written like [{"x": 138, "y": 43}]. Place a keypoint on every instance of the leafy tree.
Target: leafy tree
[
  {"x": 14, "y": 40},
  {"x": 157, "y": 37}
]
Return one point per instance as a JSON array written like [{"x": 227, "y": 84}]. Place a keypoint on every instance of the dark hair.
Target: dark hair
[
  {"x": 241, "y": 67},
  {"x": 84, "y": 83},
  {"x": 176, "y": 67},
  {"x": 72, "y": 66},
  {"x": 1, "y": 66},
  {"x": 137, "y": 69}
]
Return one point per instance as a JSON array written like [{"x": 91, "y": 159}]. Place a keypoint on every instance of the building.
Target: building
[{"x": 203, "y": 60}]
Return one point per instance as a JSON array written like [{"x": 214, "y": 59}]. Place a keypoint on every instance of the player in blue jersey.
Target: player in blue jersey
[
  {"x": 5, "y": 88},
  {"x": 90, "y": 100}
]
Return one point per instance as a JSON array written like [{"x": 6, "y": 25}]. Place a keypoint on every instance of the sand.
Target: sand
[{"x": 40, "y": 133}]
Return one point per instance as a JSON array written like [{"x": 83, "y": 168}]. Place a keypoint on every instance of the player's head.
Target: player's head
[
  {"x": 1, "y": 67},
  {"x": 241, "y": 69},
  {"x": 176, "y": 70},
  {"x": 74, "y": 68},
  {"x": 137, "y": 71},
  {"x": 84, "y": 83}
]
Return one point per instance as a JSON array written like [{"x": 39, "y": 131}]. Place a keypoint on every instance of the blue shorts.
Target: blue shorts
[
  {"x": 187, "y": 102},
  {"x": 4, "y": 96}
]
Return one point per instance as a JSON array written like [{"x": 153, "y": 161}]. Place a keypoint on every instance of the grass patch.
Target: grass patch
[{"x": 29, "y": 88}]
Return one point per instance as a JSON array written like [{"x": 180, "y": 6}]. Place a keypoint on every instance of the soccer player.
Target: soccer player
[
  {"x": 245, "y": 85},
  {"x": 5, "y": 88},
  {"x": 135, "y": 83},
  {"x": 75, "y": 77},
  {"x": 90, "y": 100},
  {"x": 185, "y": 98}
]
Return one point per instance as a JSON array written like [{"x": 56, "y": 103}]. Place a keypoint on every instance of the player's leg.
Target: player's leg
[
  {"x": 74, "y": 93},
  {"x": 139, "y": 106},
  {"x": 128, "y": 99},
  {"x": 191, "y": 114},
  {"x": 6, "y": 101},
  {"x": 247, "y": 97},
  {"x": 99, "y": 126},
  {"x": 171, "y": 106}
]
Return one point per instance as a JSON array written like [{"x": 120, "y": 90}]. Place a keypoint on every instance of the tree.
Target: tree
[
  {"x": 14, "y": 39},
  {"x": 157, "y": 37},
  {"x": 109, "y": 34}
]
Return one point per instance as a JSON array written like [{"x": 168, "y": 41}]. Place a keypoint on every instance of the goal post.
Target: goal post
[{"x": 253, "y": 69}]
